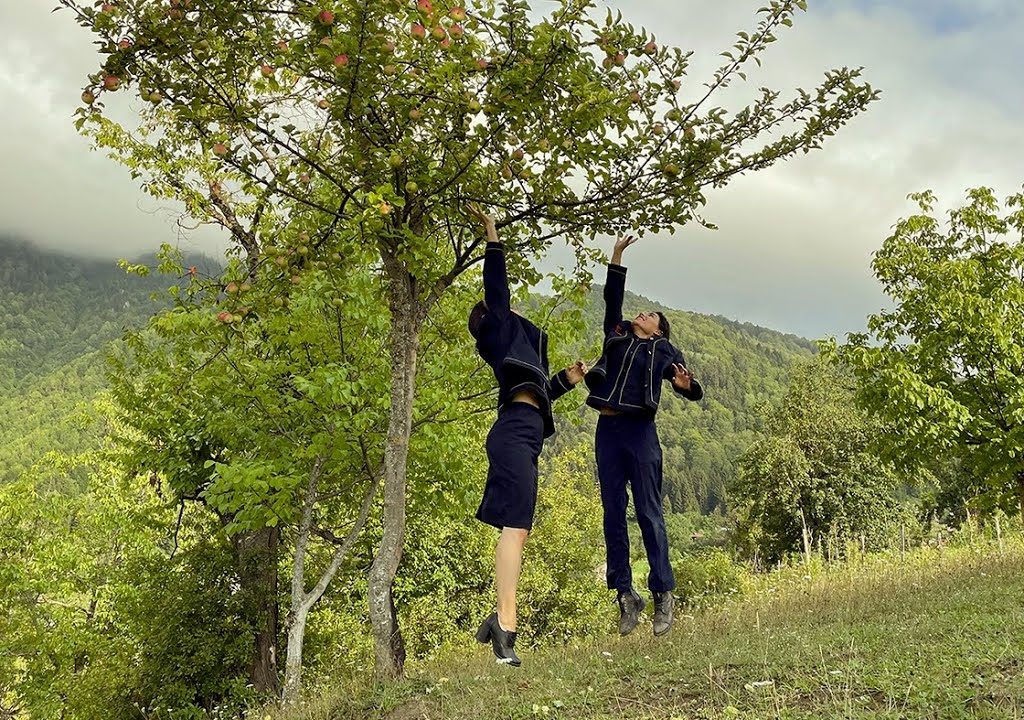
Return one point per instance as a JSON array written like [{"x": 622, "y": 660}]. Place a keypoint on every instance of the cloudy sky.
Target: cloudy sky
[{"x": 794, "y": 242}]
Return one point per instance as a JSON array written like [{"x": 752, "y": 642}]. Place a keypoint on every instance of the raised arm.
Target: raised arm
[
  {"x": 683, "y": 381},
  {"x": 496, "y": 292},
  {"x": 615, "y": 286},
  {"x": 565, "y": 380}
]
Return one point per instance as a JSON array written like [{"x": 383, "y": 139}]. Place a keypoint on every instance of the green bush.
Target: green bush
[{"x": 708, "y": 578}]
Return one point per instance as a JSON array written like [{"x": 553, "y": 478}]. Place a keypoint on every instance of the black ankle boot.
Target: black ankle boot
[
  {"x": 502, "y": 642},
  {"x": 663, "y": 604},
  {"x": 630, "y": 607}
]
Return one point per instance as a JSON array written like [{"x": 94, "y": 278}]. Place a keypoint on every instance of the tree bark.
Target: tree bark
[
  {"x": 256, "y": 552},
  {"x": 303, "y": 602},
  {"x": 406, "y": 323}
]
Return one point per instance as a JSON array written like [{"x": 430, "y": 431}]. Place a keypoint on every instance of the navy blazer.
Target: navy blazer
[
  {"x": 629, "y": 375},
  {"x": 515, "y": 348}
]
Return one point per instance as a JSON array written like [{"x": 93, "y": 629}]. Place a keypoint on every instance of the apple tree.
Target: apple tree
[{"x": 338, "y": 124}]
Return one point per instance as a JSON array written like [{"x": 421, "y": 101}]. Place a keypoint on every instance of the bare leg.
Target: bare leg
[{"x": 508, "y": 561}]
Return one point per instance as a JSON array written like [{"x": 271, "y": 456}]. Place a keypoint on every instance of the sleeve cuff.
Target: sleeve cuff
[
  {"x": 613, "y": 268},
  {"x": 500, "y": 247}
]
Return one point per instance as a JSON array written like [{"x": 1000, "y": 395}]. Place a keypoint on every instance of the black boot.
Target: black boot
[
  {"x": 663, "y": 604},
  {"x": 630, "y": 607},
  {"x": 502, "y": 642}
]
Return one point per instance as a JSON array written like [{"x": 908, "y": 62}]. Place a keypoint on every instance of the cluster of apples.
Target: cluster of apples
[
  {"x": 430, "y": 17},
  {"x": 234, "y": 290}
]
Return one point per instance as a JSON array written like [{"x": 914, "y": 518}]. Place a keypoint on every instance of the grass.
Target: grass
[{"x": 937, "y": 636}]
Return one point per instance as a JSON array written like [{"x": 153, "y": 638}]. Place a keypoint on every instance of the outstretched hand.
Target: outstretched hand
[
  {"x": 577, "y": 371},
  {"x": 682, "y": 377},
  {"x": 621, "y": 244},
  {"x": 486, "y": 219},
  {"x": 624, "y": 242}
]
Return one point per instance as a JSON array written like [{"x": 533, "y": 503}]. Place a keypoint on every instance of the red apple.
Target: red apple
[
  {"x": 304, "y": 178},
  {"x": 326, "y": 41},
  {"x": 635, "y": 97},
  {"x": 482, "y": 63},
  {"x": 108, "y": 8},
  {"x": 341, "y": 60},
  {"x": 326, "y": 17},
  {"x": 224, "y": 316},
  {"x": 456, "y": 31},
  {"x": 231, "y": 288},
  {"x": 425, "y": 6},
  {"x": 267, "y": 70},
  {"x": 282, "y": 45},
  {"x": 418, "y": 31},
  {"x": 415, "y": 114},
  {"x": 438, "y": 33},
  {"x": 124, "y": 43},
  {"x": 518, "y": 154},
  {"x": 88, "y": 98},
  {"x": 445, "y": 44},
  {"x": 155, "y": 97},
  {"x": 390, "y": 69},
  {"x": 220, "y": 149},
  {"x": 651, "y": 47},
  {"x": 324, "y": 104},
  {"x": 620, "y": 58},
  {"x": 689, "y": 133},
  {"x": 389, "y": 46},
  {"x": 458, "y": 13},
  {"x": 111, "y": 82}
]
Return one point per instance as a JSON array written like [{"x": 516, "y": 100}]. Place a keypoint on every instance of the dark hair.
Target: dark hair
[
  {"x": 663, "y": 327},
  {"x": 476, "y": 316}
]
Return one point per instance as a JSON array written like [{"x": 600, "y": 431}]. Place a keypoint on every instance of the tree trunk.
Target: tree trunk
[
  {"x": 389, "y": 652},
  {"x": 1020, "y": 493},
  {"x": 256, "y": 551},
  {"x": 302, "y": 601},
  {"x": 806, "y": 535},
  {"x": 293, "y": 660}
]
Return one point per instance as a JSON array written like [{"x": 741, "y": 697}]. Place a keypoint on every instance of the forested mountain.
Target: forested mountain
[
  {"x": 58, "y": 313},
  {"x": 55, "y": 308}
]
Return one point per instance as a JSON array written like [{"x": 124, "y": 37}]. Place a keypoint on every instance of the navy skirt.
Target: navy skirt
[{"x": 513, "y": 447}]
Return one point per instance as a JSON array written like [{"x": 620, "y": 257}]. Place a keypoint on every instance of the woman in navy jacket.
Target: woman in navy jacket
[
  {"x": 625, "y": 387},
  {"x": 517, "y": 351}
]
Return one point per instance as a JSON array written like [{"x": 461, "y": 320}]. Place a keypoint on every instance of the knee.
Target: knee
[{"x": 516, "y": 535}]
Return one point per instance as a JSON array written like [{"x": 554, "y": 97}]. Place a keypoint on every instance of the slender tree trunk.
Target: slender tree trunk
[
  {"x": 806, "y": 533},
  {"x": 389, "y": 649},
  {"x": 1020, "y": 493},
  {"x": 302, "y": 601},
  {"x": 257, "y": 571}
]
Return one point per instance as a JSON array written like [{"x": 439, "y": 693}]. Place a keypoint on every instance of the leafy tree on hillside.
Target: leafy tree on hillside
[
  {"x": 944, "y": 368},
  {"x": 813, "y": 477}
]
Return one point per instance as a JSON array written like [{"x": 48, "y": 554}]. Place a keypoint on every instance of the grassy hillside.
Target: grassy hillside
[{"x": 937, "y": 636}]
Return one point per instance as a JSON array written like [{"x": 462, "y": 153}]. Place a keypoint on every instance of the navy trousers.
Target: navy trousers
[{"x": 628, "y": 453}]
